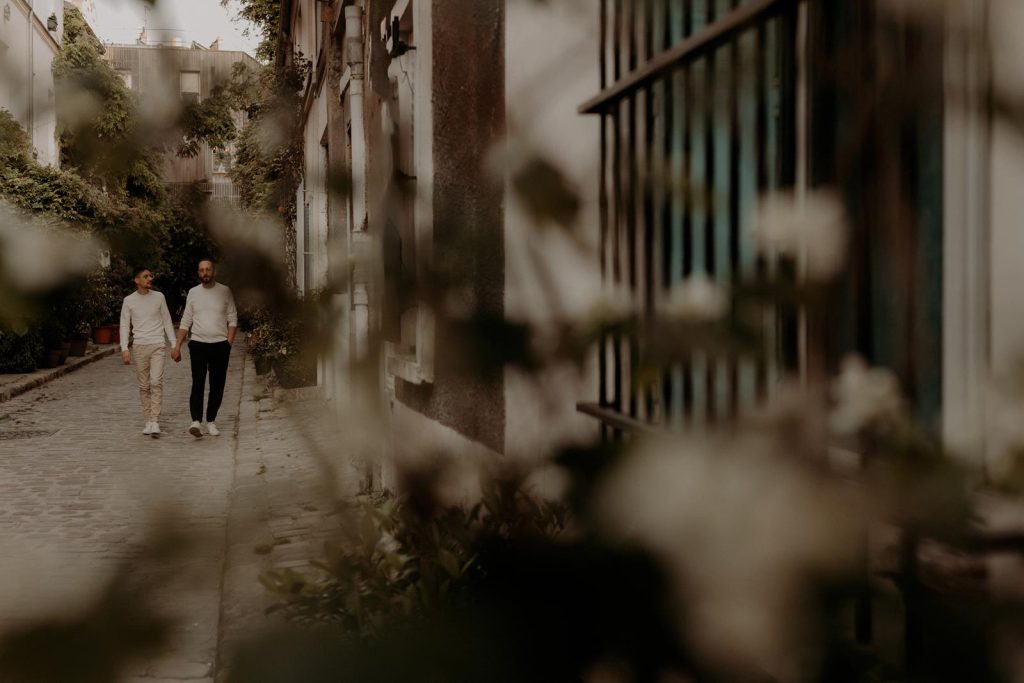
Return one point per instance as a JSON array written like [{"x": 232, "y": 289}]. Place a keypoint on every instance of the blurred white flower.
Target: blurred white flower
[
  {"x": 612, "y": 304},
  {"x": 811, "y": 229},
  {"x": 246, "y": 230},
  {"x": 698, "y": 298},
  {"x": 77, "y": 106},
  {"x": 36, "y": 256},
  {"x": 740, "y": 530},
  {"x": 864, "y": 397},
  {"x": 388, "y": 544}
]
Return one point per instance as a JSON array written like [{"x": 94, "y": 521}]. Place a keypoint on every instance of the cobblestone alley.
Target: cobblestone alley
[{"x": 82, "y": 489}]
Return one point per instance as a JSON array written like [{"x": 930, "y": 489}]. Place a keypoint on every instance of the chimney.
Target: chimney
[{"x": 215, "y": 45}]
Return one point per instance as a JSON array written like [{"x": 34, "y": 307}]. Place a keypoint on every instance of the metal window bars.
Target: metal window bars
[{"x": 698, "y": 117}]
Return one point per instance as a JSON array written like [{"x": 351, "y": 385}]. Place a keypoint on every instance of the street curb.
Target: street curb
[{"x": 10, "y": 392}]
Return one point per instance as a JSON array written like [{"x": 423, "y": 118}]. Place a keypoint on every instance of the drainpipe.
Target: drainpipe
[
  {"x": 31, "y": 74},
  {"x": 354, "y": 59},
  {"x": 359, "y": 238}
]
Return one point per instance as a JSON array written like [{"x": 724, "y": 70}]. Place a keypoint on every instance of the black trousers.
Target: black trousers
[{"x": 212, "y": 358}]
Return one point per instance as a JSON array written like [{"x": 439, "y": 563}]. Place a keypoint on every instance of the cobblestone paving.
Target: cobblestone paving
[{"x": 80, "y": 489}]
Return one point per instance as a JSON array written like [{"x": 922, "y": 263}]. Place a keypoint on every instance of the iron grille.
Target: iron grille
[{"x": 697, "y": 108}]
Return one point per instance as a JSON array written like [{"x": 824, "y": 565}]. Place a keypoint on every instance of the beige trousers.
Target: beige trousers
[{"x": 149, "y": 370}]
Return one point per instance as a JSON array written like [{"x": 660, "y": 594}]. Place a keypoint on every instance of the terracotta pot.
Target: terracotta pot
[
  {"x": 115, "y": 334},
  {"x": 101, "y": 335}
]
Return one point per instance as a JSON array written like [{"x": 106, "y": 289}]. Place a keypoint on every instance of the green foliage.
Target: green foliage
[
  {"x": 265, "y": 15},
  {"x": 210, "y": 121},
  {"x": 98, "y": 117},
  {"x": 404, "y": 557},
  {"x": 15, "y": 144},
  {"x": 284, "y": 334},
  {"x": 18, "y": 352},
  {"x": 106, "y": 288},
  {"x": 188, "y": 240},
  {"x": 56, "y": 193},
  {"x": 269, "y": 160}
]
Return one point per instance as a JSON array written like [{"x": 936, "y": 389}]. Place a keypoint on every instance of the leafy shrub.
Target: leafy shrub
[
  {"x": 18, "y": 352},
  {"x": 14, "y": 141},
  {"x": 404, "y": 556},
  {"x": 288, "y": 335}
]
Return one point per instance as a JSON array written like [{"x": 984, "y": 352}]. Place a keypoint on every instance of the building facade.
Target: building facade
[
  {"x": 30, "y": 38},
  {"x": 194, "y": 72},
  {"x": 408, "y": 105},
  {"x": 739, "y": 100}
]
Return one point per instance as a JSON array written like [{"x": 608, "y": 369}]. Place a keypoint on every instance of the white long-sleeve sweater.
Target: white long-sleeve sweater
[
  {"x": 147, "y": 317},
  {"x": 209, "y": 312}
]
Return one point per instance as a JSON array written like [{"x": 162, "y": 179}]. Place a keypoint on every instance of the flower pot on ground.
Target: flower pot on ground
[
  {"x": 102, "y": 335},
  {"x": 78, "y": 345},
  {"x": 115, "y": 334},
  {"x": 293, "y": 372},
  {"x": 263, "y": 364},
  {"x": 52, "y": 358}
]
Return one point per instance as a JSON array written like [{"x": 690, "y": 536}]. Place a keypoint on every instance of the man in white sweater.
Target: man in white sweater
[
  {"x": 211, "y": 315},
  {"x": 144, "y": 312}
]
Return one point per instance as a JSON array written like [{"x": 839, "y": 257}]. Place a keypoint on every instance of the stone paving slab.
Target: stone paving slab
[
  {"x": 81, "y": 488},
  {"x": 291, "y": 469}
]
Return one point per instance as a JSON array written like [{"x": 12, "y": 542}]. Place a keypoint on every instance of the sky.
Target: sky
[{"x": 120, "y": 21}]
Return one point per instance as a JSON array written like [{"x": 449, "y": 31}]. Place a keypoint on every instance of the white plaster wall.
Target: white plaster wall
[
  {"x": 1006, "y": 198},
  {"x": 314, "y": 190},
  {"x": 44, "y": 120},
  {"x": 15, "y": 73},
  {"x": 551, "y": 67},
  {"x": 27, "y": 51}
]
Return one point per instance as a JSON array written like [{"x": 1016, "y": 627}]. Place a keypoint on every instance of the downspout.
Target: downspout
[
  {"x": 359, "y": 237},
  {"x": 32, "y": 74},
  {"x": 354, "y": 58}
]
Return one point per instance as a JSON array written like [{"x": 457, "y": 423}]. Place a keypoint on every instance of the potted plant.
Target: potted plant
[
  {"x": 102, "y": 334},
  {"x": 263, "y": 339},
  {"x": 104, "y": 305},
  {"x": 79, "y": 340},
  {"x": 53, "y": 333},
  {"x": 295, "y": 358}
]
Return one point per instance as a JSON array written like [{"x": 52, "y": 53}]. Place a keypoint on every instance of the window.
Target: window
[
  {"x": 707, "y": 104},
  {"x": 697, "y": 110},
  {"x": 223, "y": 158},
  {"x": 408, "y": 326},
  {"x": 189, "y": 81}
]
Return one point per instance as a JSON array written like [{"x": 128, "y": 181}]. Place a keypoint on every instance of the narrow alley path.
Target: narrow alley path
[{"x": 81, "y": 487}]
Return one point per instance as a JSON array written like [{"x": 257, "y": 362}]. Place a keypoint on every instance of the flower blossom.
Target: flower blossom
[
  {"x": 864, "y": 397},
  {"x": 696, "y": 299},
  {"x": 811, "y": 229}
]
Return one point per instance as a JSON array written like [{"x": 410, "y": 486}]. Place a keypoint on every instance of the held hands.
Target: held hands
[
  {"x": 126, "y": 357},
  {"x": 176, "y": 354}
]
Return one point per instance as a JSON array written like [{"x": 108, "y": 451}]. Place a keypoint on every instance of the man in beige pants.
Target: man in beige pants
[{"x": 145, "y": 313}]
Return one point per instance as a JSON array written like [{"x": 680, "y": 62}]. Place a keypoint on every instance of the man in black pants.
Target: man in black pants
[{"x": 211, "y": 315}]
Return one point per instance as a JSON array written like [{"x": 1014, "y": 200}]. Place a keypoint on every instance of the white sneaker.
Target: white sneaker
[
  {"x": 212, "y": 430},
  {"x": 148, "y": 429},
  {"x": 156, "y": 430},
  {"x": 194, "y": 429}
]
